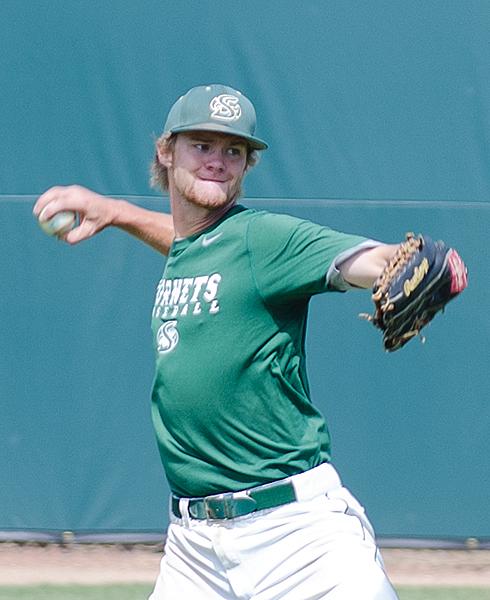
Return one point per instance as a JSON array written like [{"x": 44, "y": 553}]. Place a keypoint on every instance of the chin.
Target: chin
[{"x": 207, "y": 194}]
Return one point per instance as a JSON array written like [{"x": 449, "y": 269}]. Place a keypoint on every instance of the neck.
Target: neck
[{"x": 190, "y": 219}]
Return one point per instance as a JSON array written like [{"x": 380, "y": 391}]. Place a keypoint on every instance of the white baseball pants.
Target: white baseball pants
[{"x": 321, "y": 546}]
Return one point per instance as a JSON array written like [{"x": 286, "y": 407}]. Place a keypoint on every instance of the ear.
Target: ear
[{"x": 164, "y": 154}]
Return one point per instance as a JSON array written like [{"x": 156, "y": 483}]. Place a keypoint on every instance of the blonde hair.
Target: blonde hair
[{"x": 166, "y": 143}]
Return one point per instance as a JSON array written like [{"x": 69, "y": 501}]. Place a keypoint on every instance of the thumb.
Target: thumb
[{"x": 84, "y": 231}]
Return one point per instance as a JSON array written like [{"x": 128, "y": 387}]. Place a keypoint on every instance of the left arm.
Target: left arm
[{"x": 362, "y": 269}]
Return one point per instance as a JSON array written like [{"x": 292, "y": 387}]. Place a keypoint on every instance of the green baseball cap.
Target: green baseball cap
[{"x": 215, "y": 107}]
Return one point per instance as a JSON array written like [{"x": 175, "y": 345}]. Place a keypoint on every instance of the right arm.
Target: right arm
[{"x": 96, "y": 212}]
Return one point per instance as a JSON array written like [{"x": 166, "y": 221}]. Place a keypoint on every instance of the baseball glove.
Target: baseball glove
[{"x": 418, "y": 282}]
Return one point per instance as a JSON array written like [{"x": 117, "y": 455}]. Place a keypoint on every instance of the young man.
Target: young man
[{"x": 257, "y": 510}]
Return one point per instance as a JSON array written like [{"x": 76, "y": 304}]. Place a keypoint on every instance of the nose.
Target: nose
[{"x": 216, "y": 160}]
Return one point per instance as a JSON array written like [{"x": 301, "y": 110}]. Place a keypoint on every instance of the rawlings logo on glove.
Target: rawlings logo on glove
[
  {"x": 418, "y": 282},
  {"x": 419, "y": 273}
]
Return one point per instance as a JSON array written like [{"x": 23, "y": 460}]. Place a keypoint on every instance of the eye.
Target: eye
[
  {"x": 201, "y": 147},
  {"x": 236, "y": 151}
]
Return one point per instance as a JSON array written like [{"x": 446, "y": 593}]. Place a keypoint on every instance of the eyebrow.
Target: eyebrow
[{"x": 206, "y": 137}]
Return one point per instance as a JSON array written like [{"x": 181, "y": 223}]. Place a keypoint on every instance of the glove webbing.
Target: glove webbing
[{"x": 397, "y": 262}]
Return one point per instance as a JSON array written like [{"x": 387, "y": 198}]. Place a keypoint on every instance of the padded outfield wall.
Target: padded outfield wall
[{"x": 377, "y": 115}]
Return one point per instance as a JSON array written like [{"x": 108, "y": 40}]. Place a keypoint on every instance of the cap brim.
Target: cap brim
[{"x": 255, "y": 143}]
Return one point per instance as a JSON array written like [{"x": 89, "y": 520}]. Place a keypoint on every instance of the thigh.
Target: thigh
[
  {"x": 323, "y": 548},
  {"x": 353, "y": 555},
  {"x": 189, "y": 567}
]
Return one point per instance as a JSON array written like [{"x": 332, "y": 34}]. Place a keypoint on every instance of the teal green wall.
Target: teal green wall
[{"x": 377, "y": 115}]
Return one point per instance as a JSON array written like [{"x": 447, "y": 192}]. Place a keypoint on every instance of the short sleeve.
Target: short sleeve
[{"x": 290, "y": 257}]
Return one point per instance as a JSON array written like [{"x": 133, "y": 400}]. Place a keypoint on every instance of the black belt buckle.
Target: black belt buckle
[{"x": 229, "y": 505}]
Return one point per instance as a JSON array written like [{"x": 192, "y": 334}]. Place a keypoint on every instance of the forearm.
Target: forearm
[
  {"x": 366, "y": 266},
  {"x": 151, "y": 227}
]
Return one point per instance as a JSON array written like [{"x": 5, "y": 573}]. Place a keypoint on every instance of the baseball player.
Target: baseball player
[{"x": 257, "y": 510}]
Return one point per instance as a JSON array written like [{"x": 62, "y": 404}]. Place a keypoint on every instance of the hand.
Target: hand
[{"x": 95, "y": 212}]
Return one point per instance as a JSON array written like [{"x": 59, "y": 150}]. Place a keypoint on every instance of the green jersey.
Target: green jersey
[{"x": 231, "y": 405}]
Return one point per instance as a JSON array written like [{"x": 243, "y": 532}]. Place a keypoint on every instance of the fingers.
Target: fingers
[
  {"x": 95, "y": 212},
  {"x": 84, "y": 231},
  {"x": 44, "y": 200},
  {"x": 72, "y": 197}
]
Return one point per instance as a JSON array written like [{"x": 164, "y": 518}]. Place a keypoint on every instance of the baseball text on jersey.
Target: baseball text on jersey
[{"x": 187, "y": 296}]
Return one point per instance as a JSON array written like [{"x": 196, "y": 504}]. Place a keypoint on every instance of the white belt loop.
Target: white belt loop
[
  {"x": 315, "y": 482},
  {"x": 184, "y": 511}
]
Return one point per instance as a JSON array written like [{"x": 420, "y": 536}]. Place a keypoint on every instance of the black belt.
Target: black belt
[{"x": 237, "y": 504}]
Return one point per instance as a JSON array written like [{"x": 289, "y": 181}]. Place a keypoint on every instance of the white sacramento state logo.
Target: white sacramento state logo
[
  {"x": 167, "y": 337},
  {"x": 225, "y": 107}
]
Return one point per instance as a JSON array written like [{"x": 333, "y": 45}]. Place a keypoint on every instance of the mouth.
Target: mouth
[
  {"x": 210, "y": 180},
  {"x": 213, "y": 179}
]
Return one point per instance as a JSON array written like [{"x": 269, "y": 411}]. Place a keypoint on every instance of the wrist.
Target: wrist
[{"x": 117, "y": 212}]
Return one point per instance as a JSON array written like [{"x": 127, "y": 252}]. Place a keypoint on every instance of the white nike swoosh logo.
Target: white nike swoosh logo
[{"x": 206, "y": 241}]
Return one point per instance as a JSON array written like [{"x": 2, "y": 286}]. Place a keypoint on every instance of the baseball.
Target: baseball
[{"x": 59, "y": 224}]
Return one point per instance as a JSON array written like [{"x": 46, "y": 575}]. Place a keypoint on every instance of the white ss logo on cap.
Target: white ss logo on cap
[{"x": 225, "y": 107}]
